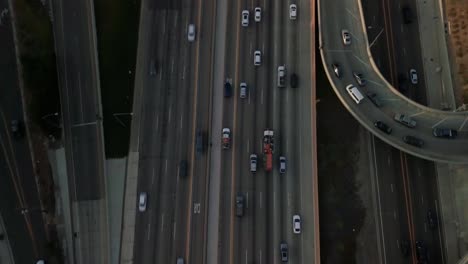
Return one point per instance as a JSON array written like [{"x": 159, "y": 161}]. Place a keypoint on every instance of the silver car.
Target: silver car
[
  {"x": 282, "y": 164},
  {"x": 245, "y": 18},
  {"x": 243, "y": 90},
  {"x": 142, "y": 202},
  {"x": 346, "y": 37},
  {"x": 253, "y": 163},
  {"x": 413, "y": 76}
]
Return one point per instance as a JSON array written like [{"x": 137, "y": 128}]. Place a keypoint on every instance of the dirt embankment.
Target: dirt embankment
[{"x": 457, "y": 16}]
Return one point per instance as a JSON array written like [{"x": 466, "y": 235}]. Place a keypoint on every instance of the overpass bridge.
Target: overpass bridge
[{"x": 333, "y": 17}]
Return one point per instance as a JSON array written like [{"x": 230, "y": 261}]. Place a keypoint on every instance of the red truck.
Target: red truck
[{"x": 268, "y": 149}]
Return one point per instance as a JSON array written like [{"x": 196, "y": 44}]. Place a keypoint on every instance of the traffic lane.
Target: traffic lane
[
  {"x": 229, "y": 102},
  {"x": 424, "y": 186},
  {"x": 203, "y": 63},
  {"x": 151, "y": 161},
  {"x": 21, "y": 241},
  {"x": 260, "y": 94},
  {"x": 407, "y": 40},
  {"x": 392, "y": 206}
]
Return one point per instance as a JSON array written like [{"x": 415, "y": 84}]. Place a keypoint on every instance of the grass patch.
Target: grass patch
[
  {"x": 37, "y": 56},
  {"x": 117, "y": 34}
]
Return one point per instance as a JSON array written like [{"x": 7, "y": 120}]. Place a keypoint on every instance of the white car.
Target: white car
[
  {"x": 40, "y": 261},
  {"x": 142, "y": 202},
  {"x": 243, "y": 90},
  {"x": 282, "y": 165},
  {"x": 292, "y": 12},
  {"x": 346, "y": 37},
  {"x": 245, "y": 18},
  {"x": 257, "y": 58},
  {"x": 296, "y": 224},
  {"x": 258, "y": 14},
  {"x": 413, "y": 76},
  {"x": 191, "y": 33}
]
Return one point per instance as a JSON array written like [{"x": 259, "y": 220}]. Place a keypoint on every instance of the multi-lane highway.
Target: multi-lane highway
[
  {"x": 176, "y": 80},
  {"x": 356, "y": 57}
]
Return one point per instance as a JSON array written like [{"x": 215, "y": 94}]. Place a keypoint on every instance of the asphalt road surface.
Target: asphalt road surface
[
  {"x": 82, "y": 126},
  {"x": 176, "y": 106},
  {"x": 176, "y": 101}
]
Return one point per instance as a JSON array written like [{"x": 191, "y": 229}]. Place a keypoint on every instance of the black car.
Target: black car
[
  {"x": 431, "y": 219},
  {"x": 405, "y": 247},
  {"x": 360, "y": 79},
  {"x": 336, "y": 70},
  {"x": 421, "y": 252},
  {"x": 374, "y": 99},
  {"x": 183, "y": 168},
  {"x": 413, "y": 141},
  {"x": 227, "y": 89},
  {"x": 294, "y": 80},
  {"x": 444, "y": 133},
  {"x": 200, "y": 142},
  {"x": 382, "y": 126},
  {"x": 17, "y": 129},
  {"x": 284, "y": 252},
  {"x": 402, "y": 83},
  {"x": 407, "y": 15}
]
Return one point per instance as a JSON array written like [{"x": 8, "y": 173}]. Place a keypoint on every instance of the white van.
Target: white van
[{"x": 354, "y": 93}]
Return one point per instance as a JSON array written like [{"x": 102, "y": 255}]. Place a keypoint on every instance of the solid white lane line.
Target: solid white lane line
[
  {"x": 181, "y": 121},
  {"x": 169, "y": 115},
  {"x": 260, "y": 199},
  {"x": 149, "y": 232},
  {"x": 165, "y": 167},
  {"x": 247, "y": 199},
  {"x": 174, "y": 232}
]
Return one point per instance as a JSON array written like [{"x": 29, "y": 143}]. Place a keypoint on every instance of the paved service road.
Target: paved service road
[
  {"x": 19, "y": 201},
  {"x": 81, "y": 115},
  {"x": 355, "y": 57}
]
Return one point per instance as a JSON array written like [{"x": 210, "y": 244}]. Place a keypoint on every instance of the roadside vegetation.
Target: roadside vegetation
[{"x": 117, "y": 36}]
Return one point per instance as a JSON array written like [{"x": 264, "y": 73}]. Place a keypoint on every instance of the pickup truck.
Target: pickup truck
[
  {"x": 405, "y": 120},
  {"x": 281, "y": 75}
]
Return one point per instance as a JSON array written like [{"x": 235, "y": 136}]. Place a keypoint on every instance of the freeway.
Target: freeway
[
  {"x": 271, "y": 199},
  {"x": 356, "y": 57},
  {"x": 174, "y": 77},
  {"x": 173, "y": 104}
]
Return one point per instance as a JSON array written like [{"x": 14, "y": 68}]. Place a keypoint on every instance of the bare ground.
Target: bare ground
[{"x": 457, "y": 16}]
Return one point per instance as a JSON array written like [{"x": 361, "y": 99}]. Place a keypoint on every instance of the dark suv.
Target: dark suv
[
  {"x": 407, "y": 15},
  {"x": 444, "y": 133},
  {"x": 413, "y": 141},
  {"x": 183, "y": 167},
  {"x": 431, "y": 219},
  {"x": 421, "y": 252},
  {"x": 382, "y": 126},
  {"x": 17, "y": 129}
]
